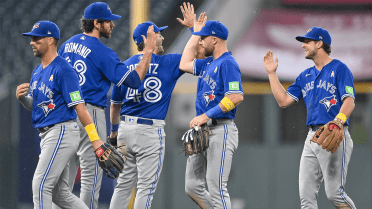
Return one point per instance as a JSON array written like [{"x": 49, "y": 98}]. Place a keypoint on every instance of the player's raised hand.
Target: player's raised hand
[
  {"x": 150, "y": 41},
  {"x": 188, "y": 15},
  {"x": 22, "y": 90},
  {"x": 199, "y": 24},
  {"x": 269, "y": 62}
]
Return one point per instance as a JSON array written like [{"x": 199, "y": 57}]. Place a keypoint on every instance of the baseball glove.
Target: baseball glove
[
  {"x": 329, "y": 136},
  {"x": 113, "y": 141},
  {"x": 196, "y": 140},
  {"x": 110, "y": 160}
]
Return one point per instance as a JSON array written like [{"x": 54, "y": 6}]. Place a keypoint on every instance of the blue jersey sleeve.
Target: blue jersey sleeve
[
  {"x": 294, "y": 90},
  {"x": 117, "y": 97},
  {"x": 114, "y": 69},
  {"x": 345, "y": 82},
  {"x": 200, "y": 64},
  {"x": 68, "y": 83},
  {"x": 231, "y": 78}
]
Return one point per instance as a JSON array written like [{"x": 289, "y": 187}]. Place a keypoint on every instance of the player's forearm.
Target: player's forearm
[
  {"x": 115, "y": 113},
  {"x": 347, "y": 106},
  {"x": 279, "y": 92},
  {"x": 144, "y": 64},
  {"x": 83, "y": 114},
  {"x": 236, "y": 99},
  {"x": 189, "y": 54},
  {"x": 26, "y": 101}
]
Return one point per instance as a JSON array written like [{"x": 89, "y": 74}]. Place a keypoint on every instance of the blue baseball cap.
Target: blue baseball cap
[
  {"x": 316, "y": 33},
  {"x": 99, "y": 10},
  {"x": 44, "y": 29},
  {"x": 142, "y": 28},
  {"x": 213, "y": 28}
]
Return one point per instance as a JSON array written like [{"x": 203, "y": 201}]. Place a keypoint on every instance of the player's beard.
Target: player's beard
[
  {"x": 208, "y": 51},
  {"x": 159, "y": 48},
  {"x": 39, "y": 52},
  {"x": 105, "y": 32}
]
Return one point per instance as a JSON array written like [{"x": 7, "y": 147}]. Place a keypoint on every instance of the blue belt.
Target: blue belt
[{"x": 140, "y": 120}]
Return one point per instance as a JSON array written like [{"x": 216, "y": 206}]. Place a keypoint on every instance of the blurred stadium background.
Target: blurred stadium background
[{"x": 265, "y": 168}]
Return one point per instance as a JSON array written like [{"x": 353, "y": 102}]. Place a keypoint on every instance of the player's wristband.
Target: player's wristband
[
  {"x": 92, "y": 132},
  {"x": 214, "y": 111},
  {"x": 191, "y": 29},
  {"x": 341, "y": 117},
  {"x": 227, "y": 103},
  {"x": 114, "y": 128}
]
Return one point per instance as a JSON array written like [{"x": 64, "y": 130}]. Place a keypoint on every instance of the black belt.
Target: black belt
[
  {"x": 140, "y": 120},
  {"x": 220, "y": 121},
  {"x": 45, "y": 128}
]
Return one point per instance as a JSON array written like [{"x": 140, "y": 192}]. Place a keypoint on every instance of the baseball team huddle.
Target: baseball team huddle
[{"x": 67, "y": 95}]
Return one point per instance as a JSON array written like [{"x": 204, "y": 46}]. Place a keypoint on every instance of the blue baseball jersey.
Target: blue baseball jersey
[
  {"x": 54, "y": 89},
  {"x": 217, "y": 78},
  {"x": 152, "y": 98},
  {"x": 97, "y": 66},
  {"x": 323, "y": 91}
]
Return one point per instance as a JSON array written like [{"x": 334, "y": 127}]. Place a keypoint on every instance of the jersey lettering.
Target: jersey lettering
[
  {"x": 327, "y": 86},
  {"x": 77, "y": 49},
  {"x": 152, "y": 91},
  {"x": 45, "y": 90},
  {"x": 80, "y": 68},
  {"x": 209, "y": 80},
  {"x": 307, "y": 88},
  {"x": 133, "y": 94},
  {"x": 152, "y": 68}
]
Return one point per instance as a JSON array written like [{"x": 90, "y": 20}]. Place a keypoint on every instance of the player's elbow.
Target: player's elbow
[{"x": 133, "y": 80}]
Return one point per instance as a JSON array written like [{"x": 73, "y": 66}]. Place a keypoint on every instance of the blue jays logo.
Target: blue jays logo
[
  {"x": 208, "y": 97},
  {"x": 47, "y": 106},
  {"x": 35, "y": 26},
  {"x": 329, "y": 102}
]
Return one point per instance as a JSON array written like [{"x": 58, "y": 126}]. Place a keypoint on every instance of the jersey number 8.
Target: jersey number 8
[{"x": 151, "y": 93}]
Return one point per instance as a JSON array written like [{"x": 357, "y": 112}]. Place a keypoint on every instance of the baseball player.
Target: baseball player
[
  {"x": 54, "y": 97},
  {"x": 137, "y": 117},
  {"x": 328, "y": 91},
  {"x": 219, "y": 91},
  {"x": 97, "y": 66}
]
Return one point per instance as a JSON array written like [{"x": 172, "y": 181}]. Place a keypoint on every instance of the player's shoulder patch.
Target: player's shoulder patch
[
  {"x": 75, "y": 96},
  {"x": 349, "y": 90},
  {"x": 234, "y": 86}
]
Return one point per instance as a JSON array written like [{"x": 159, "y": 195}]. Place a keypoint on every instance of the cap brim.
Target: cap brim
[
  {"x": 161, "y": 29},
  {"x": 302, "y": 38},
  {"x": 199, "y": 33},
  {"x": 113, "y": 17},
  {"x": 30, "y": 34}
]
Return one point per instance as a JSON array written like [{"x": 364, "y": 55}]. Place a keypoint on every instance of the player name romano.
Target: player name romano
[{"x": 77, "y": 49}]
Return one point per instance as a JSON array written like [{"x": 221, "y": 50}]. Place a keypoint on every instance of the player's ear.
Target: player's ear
[
  {"x": 50, "y": 41},
  {"x": 215, "y": 40},
  {"x": 96, "y": 24},
  {"x": 319, "y": 44}
]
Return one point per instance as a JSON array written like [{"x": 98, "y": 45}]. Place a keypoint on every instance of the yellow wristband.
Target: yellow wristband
[
  {"x": 342, "y": 117},
  {"x": 227, "y": 103},
  {"x": 92, "y": 132}
]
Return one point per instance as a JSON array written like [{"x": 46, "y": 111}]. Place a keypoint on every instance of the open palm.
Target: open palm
[{"x": 269, "y": 63}]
